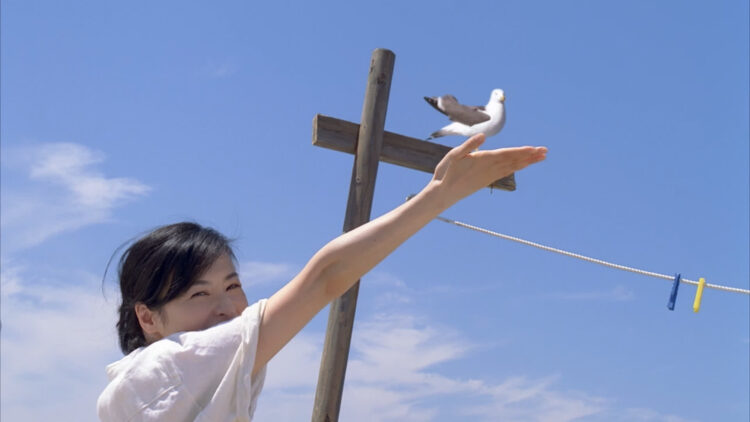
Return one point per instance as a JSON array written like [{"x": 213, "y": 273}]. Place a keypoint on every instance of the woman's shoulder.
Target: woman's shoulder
[{"x": 140, "y": 379}]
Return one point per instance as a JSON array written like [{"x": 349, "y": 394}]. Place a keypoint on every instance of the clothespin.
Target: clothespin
[
  {"x": 673, "y": 295},
  {"x": 699, "y": 294}
]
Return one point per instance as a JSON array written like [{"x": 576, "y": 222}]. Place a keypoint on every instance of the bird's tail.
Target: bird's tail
[{"x": 438, "y": 134}]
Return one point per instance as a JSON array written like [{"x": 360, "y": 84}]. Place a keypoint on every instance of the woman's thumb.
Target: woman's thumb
[{"x": 470, "y": 145}]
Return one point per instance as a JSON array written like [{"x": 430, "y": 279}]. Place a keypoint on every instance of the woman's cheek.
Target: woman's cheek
[
  {"x": 241, "y": 302},
  {"x": 195, "y": 315}
]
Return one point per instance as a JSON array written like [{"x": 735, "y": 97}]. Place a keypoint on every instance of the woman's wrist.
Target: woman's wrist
[{"x": 436, "y": 197}]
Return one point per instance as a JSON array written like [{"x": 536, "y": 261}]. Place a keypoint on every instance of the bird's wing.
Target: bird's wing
[{"x": 468, "y": 115}]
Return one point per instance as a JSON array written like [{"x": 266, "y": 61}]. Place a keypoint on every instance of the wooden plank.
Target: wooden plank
[
  {"x": 368, "y": 142},
  {"x": 404, "y": 151}
]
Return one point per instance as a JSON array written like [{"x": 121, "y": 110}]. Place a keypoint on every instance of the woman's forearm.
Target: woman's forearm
[{"x": 356, "y": 252}]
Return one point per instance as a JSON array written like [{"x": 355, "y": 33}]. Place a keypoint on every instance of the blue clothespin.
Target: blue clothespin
[{"x": 673, "y": 295}]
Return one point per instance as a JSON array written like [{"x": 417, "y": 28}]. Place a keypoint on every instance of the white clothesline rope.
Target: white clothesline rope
[{"x": 589, "y": 259}]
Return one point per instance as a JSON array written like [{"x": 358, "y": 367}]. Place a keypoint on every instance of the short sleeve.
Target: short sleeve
[{"x": 236, "y": 395}]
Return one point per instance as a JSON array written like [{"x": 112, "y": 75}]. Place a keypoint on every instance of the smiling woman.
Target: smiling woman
[
  {"x": 216, "y": 297},
  {"x": 179, "y": 284},
  {"x": 196, "y": 350},
  {"x": 158, "y": 271}
]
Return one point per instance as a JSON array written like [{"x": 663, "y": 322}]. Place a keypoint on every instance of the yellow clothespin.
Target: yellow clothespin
[{"x": 699, "y": 294}]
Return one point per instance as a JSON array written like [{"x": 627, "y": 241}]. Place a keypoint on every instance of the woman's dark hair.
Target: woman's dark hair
[{"x": 160, "y": 267}]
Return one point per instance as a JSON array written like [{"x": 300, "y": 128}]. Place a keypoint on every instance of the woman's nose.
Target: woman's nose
[{"x": 225, "y": 307}]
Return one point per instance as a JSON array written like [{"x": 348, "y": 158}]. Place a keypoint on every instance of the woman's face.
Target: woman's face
[{"x": 216, "y": 297}]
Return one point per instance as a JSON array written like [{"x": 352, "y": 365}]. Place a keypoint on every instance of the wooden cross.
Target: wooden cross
[{"x": 370, "y": 143}]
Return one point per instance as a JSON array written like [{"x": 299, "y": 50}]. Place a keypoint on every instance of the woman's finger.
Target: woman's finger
[{"x": 469, "y": 145}]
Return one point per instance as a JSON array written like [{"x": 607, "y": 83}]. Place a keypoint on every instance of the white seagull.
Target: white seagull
[{"x": 470, "y": 120}]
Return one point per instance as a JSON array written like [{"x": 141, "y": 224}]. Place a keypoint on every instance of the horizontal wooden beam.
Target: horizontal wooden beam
[{"x": 404, "y": 151}]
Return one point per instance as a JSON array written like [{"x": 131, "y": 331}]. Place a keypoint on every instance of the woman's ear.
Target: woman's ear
[{"x": 149, "y": 321}]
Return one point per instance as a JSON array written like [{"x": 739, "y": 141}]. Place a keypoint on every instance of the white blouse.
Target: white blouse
[{"x": 196, "y": 375}]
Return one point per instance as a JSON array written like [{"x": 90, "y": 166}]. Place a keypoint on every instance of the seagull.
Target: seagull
[{"x": 470, "y": 120}]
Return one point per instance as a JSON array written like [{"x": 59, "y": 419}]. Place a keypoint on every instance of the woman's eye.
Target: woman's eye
[
  {"x": 234, "y": 286},
  {"x": 198, "y": 294}
]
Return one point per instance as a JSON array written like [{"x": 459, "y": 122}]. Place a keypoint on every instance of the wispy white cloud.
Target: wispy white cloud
[
  {"x": 392, "y": 292},
  {"x": 642, "y": 415},
  {"x": 394, "y": 374},
  {"x": 391, "y": 377},
  {"x": 383, "y": 341},
  {"x": 58, "y": 188},
  {"x": 58, "y": 334},
  {"x": 385, "y": 280},
  {"x": 10, "y": 277},
  {"x": 616, "y": 294},
  {"x": 520, "y": 399},
  {"x": 254, "y": 273},
  {"x": 396, "y": 356},
  {"x": 219, "y": 70},
  {"x": 70, "y": 166}
]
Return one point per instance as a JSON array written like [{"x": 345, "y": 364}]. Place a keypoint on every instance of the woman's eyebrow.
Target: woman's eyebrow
[{"x": 227, "y": 278}]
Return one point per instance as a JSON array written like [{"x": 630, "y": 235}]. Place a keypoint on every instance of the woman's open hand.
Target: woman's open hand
[{"x": 464, "y": 170}]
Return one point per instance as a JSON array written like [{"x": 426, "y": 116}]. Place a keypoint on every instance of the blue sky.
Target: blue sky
[{"x": 117, "y": 118}]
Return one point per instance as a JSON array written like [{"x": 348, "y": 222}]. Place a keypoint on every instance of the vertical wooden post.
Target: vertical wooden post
[{"x": 358, "y": 207}]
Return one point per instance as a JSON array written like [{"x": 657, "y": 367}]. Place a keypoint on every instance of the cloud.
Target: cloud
[
  {"x": 220, "y": 70},
  {"x": 520, "y": 399},
  {"x": 391, "y": 376},
  {"x": 62, "y": 191},
  {"x": 392, "y": 292},
  {"x": 255, "y": 273},
  {"x": 382, "y": 343},
  {"x": 393, "y": 370},
  {"x": 394, "y": 374},
  {"x": 616, "y": 294},
  {"x": 642, "y": 415},
  {"x": 10, "y": 278},
  {"x": 58, "y": 335}
]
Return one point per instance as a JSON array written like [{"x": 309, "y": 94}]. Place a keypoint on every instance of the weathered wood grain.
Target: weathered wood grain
[
  {"x": 405, "y": 151},
  {"x": 361, "y": 190}
]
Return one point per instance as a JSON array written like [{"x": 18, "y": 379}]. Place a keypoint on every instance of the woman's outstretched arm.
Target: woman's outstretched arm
[{"x": 344, "y": 260}]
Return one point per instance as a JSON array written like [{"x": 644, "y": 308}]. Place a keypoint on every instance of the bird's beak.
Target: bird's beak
[{"x": 502, "y": 98}]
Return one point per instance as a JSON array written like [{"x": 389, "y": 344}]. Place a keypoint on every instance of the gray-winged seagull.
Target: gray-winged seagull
[{"x": 470, "y": 120}]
